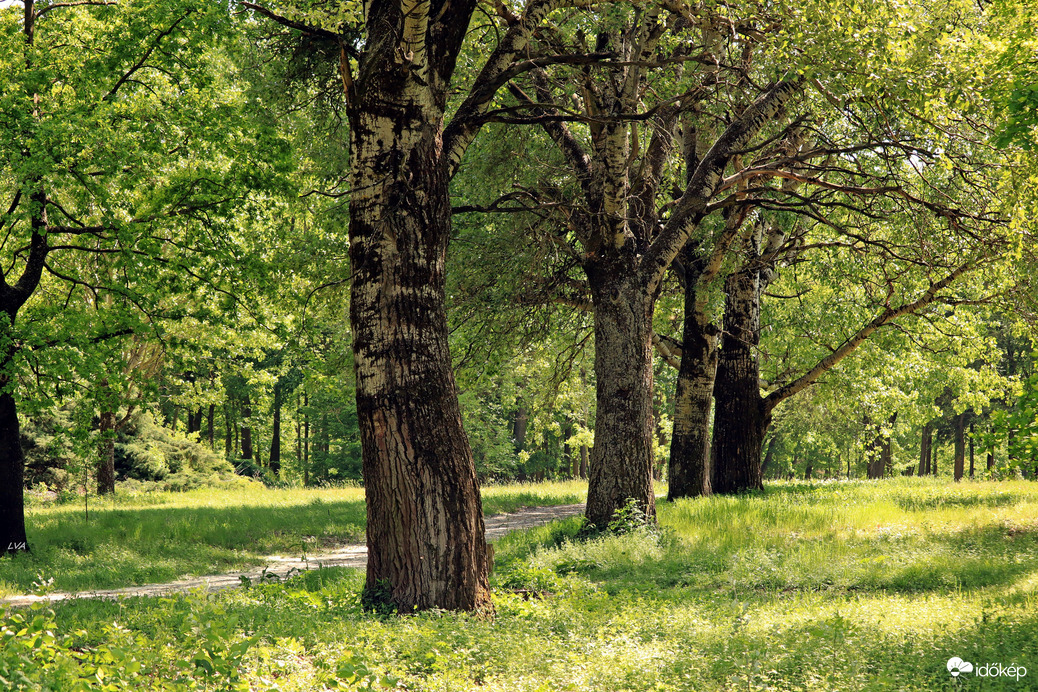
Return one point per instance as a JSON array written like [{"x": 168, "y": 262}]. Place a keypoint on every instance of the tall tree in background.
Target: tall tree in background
[{"x": 624, "y": 243}]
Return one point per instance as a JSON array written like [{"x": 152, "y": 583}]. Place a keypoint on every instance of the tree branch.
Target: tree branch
[
  {"x": 691, "y": 206},
  {"x": 851, "y": 344},
  {"x": 144, "y": 58},
  {"x": 56, "y": 5}
]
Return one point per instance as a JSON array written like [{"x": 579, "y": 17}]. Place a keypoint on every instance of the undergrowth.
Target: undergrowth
[{"x": 840, "y": 586}]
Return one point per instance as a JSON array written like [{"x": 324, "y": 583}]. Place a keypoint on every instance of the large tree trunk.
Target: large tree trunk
[
  {"x": 621, "y": 457},
  {"x": 741, "y": 417},
  {"x": 689, "y": 464},
  {"x": 425, "y": 531},
  {"x": 12, "y": 468}
]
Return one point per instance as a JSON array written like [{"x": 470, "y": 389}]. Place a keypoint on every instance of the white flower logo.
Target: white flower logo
[{"x": 956, "y": 665}]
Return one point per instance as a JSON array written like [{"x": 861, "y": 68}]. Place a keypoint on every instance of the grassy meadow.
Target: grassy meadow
[{"x": 830, "y": 586}]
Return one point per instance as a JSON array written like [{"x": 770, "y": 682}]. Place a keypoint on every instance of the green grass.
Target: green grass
[
  {"x": 839, "y": 586},
  {"x": 159, "y": 537}
]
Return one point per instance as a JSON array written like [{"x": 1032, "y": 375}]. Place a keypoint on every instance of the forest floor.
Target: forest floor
[
  {"x": 802, "y": 587},
  {"x": 279, "y": 567}
]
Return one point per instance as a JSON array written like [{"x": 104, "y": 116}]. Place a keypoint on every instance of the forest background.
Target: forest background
[{"x": 188, "y": 323}]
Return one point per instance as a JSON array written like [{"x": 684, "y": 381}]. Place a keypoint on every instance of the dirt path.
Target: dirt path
[{"x": 278, "y": 567}]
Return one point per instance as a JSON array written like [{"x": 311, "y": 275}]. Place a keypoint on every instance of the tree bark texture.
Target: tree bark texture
[
  {"x": 621, "y": 458},
  {"x": 425, "y": 531},
  {"x": 106, "y": 454},
  {"x": 960, "y": 446},
  {"x": 689, "y": 462},
  {"x": 741, "y": 417},
  {"x": 925, "y": 445}
]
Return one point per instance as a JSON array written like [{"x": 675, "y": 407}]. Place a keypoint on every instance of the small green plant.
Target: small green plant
[
  {"x": 353, "y": 674},
  {"x": 220, "y": 650},
  {"x": 629, "y": 518},
  {"x": 34, "y": 655},
  {"x": 378, "y": 598}
]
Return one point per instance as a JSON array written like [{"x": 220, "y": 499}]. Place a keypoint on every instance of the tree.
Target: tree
[
  {"x": 614, "y": 230},
  {"x": 821, "y": 168},
  {"x": 425, "y": 528},
  {"x": 111, "y": 119}
]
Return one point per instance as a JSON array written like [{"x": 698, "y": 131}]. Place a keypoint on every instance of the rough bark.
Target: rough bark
[
  {"x": 689, "y": 462},
  {"x": 621, "y": 458},
  {"x": 425, "y": 529},
  {"x": 741, "y": 417}
]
